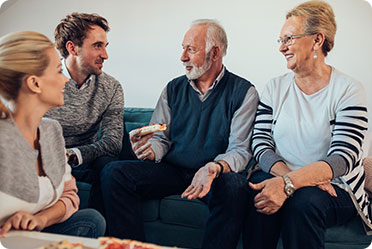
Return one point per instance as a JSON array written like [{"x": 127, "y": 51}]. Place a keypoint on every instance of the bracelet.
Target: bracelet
[{"x": 221, "y": 168}]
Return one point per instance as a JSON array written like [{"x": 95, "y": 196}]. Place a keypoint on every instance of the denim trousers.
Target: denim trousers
[
  {"x": 301, "y": 221},
  {"x": 126, "y": 183},
  {"x": 85, "y": 223},
  {"x": 90, "y": 173}
]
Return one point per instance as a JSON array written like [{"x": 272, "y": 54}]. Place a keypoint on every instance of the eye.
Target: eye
[
  {"x": 286, "y": 39},
  {"x": 98, "y": 45},
  {"x": 191, "y": 50}
]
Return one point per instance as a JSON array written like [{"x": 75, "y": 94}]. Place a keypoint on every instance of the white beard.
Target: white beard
[{"x": 197, "y": 72}]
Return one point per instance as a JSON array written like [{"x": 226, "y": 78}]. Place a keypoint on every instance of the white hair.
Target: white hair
[{"x": 215, "y": 36}]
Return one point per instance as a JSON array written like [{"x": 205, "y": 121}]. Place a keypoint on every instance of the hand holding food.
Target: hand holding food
[{"x": 139, "y": 139}]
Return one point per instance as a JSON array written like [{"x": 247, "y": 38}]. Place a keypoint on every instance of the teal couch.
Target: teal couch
[{"x": 173, "y": 221}]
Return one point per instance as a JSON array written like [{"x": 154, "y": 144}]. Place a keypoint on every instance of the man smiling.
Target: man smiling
[
  {"x": 209, "y": 113},
  {"x": 93, "y": 99}
]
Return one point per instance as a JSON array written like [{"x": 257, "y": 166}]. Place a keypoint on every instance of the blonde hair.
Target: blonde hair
[
  {"x": 21, "y": 54},
  {"x": 319, "y": 18}
]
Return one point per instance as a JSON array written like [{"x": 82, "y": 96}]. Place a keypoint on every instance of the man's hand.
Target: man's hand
[
  {"x": 141, "y": 145},
  {"x": 202, "y": 181},
  {"x": 271, "y": 197},
  {"x": 23, "y": 221}
]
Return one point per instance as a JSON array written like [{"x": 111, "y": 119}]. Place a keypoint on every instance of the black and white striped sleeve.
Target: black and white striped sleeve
[
  {"x": 349, "y": 127},
  {"x": 263, "y": 145}
]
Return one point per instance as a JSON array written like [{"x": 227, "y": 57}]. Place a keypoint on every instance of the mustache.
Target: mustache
[{"x": 188, "y": 64}]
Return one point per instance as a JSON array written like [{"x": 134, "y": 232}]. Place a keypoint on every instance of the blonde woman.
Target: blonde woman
[
  {"x": 37, "y": 191},
  {"x": 307, "y": 138}
]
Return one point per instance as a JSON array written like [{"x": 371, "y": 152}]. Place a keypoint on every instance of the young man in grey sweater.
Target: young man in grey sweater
[{"x": 92, "y": 117}]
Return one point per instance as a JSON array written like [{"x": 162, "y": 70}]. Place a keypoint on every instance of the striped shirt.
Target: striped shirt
[{"x": 329, "y": 125}]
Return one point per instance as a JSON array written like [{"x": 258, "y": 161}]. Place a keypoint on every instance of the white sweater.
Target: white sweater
[{"x": 328, "y": 125}]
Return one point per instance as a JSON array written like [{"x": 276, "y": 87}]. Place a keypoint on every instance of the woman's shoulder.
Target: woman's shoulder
[
  {"x": 7, "y": 127},
  {"x": 51, "y": 127},
  {"x": 279, "y": 84},
  {"x": 50, "y": 123},
  {"x": 279, "y": 81},
  {"x": 342, "y": 80}
]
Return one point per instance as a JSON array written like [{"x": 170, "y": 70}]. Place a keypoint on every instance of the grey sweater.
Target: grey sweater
[
  {"x": 18, "y": 176},
  {"x": 98, "y": 105},
  {"x": 19, "y": 183}
]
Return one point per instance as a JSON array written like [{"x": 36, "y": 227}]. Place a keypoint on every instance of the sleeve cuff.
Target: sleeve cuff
[
  {"x": 337, "y": 163},
  {"x": 268, "y": 159},
  {"x": 158, "y": 151},
  {"x": 78, "y": 154}
]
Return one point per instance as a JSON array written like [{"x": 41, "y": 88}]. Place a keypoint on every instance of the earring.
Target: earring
[{"x": 315, "y": 56}]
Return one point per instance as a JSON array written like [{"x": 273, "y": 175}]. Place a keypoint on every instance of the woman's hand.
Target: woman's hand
[
  {"x": 271, "y": 196},
  {"x": 23, "y": 221},
  {"x": 327, "y": 187}
]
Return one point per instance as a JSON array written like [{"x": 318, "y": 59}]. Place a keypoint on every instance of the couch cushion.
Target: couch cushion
[
  {"x": 133, "y": 118},
  {"x": 349, "y": 233},
  {"x": 137, "y": 117},
  {"x": 83, "y": 193},
  {"x": 180, "y": 211}
]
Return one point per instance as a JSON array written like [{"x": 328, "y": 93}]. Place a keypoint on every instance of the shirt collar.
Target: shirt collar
[
  {"x": 215, "y": 83},
  {"x": 67, "y": 74}
]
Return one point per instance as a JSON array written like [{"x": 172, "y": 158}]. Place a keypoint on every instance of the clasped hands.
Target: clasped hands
[
  {"x": 271, "y": 196},
  {"x": 23, "y": 221}
]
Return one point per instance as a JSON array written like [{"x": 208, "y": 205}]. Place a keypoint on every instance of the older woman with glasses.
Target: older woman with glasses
[{"x": 307, "y": 140}]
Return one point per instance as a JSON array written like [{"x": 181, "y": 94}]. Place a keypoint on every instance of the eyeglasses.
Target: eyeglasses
[{"x": 287, "y": 40}]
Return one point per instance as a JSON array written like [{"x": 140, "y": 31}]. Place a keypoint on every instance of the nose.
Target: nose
[
  {"x": 184, "y": 56},
  {"x": 104, "y": 54},
  {"x": 282, "y": 47}
]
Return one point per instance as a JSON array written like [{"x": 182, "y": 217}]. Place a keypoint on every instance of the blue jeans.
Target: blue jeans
[
  {"x": 301, "y": 221},
  {"x": 126, "y": 183},
  {"x": 85, "y": 223}
]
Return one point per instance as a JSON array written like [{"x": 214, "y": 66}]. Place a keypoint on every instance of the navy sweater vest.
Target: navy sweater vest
[{"x": 199, "y": 131}]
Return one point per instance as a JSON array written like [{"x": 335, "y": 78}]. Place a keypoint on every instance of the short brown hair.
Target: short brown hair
[
  {"x": 74, "y": 28},
  {"x": 319, "y": 18},
  {"x": 21, "y": 54}
]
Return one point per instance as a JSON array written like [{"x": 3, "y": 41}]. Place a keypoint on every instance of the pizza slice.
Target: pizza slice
[
  {"x": 114, "y": 243},
  {"x": 152, "y": 128},
  {"x": 64, "y": 244}
]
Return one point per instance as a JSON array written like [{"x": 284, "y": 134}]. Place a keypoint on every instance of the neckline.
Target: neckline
[
  {"x": 320, "y": 90},
  {"x": 23, "y": 139}
]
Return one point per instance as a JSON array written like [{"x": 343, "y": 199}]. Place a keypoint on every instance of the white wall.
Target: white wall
[{"x": 146, "y": 35}]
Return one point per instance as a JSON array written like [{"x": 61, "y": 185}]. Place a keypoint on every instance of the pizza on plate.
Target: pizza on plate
[
  {"x": 114, "y": 243},
  {"x": 64, "y": 244}
]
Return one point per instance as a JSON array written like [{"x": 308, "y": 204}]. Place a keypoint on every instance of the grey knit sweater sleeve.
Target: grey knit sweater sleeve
[{"x": 92, "y": 117}]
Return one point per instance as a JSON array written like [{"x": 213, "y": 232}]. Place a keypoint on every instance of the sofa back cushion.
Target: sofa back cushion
[{"x": 134, "y": 117}]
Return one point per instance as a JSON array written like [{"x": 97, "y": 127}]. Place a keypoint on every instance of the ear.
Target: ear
[
  {"x": 71, "y": 48},
  {"x": 318, "y": 41},
  {"x": 215, "y": 53},
  {"x": 32, "y": 84}
]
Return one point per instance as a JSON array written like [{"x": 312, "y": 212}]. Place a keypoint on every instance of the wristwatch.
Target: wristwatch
[
  {"x": 73, "y": 160},
  {"x": 288, "y": 188}
]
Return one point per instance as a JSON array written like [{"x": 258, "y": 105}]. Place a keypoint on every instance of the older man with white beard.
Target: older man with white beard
[{"x": 209, "y": 113}]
